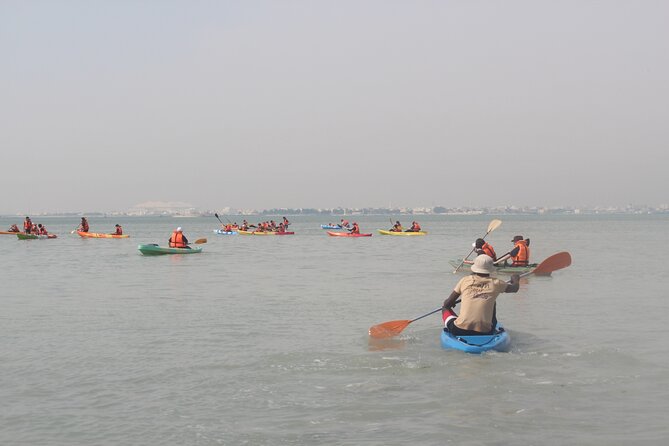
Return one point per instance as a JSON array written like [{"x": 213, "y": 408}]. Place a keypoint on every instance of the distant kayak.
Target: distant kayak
[
  {"x": 500, "y": 269},
  {"x": 499, "y": 341},
  {"x": 154, "y": 250},
  {"x": 347, "y": 234},
  {"x": 99, "y": 235},
  {"x": 265, "y": 233},
  {"x": 23, "y": 236},
  {"x": 384, "y": 232},
  {"x": 222, "y": 232},
  {"x": 331, "y": 226}
]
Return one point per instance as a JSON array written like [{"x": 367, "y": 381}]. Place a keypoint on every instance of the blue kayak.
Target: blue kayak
[
  {"x": 499, "y": 341},
  {"x": 222, "y": 232},
  {"x": 330, "y": 226}
]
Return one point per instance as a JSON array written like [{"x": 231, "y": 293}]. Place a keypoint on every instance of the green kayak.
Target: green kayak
[
  {"x": 500, "y": 269},
  {"x": 155, "y": 250}
]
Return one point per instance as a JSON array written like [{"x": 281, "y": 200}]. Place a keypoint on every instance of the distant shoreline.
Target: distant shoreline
[{"x": 339, "y": 212}]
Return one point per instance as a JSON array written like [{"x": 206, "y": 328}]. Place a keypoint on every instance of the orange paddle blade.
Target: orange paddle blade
[
  {"x": 200, "y": 241},
  {"x": 553, "y": 263},
  {"x": 388, "y": 329}
]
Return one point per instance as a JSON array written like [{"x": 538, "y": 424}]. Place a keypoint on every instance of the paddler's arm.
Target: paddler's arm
[
  {"x": 451, "y": 300},
  {"x": 514, "y": 284}
]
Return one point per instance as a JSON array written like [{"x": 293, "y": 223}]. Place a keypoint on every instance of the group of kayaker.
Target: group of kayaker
[
  {"x": 39, "y": 229},
  {"x": 397, "y": 227},
  {"x": 30, "y": 228},
  {"x": 265, "y": 226},
  {"x": 519, "y": 254}
]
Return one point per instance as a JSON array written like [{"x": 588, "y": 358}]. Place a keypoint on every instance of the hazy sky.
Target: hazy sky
[{"x": 260, "y": 104}]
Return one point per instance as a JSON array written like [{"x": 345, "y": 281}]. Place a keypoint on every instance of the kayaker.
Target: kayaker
[
  {"x": 83, "y": 226},
  {"x": 415, "y": 227},
  {"x": 34, "y": 229},
  {"x": 345, "y": 224},
  {"x": 477, "y": 293},
  {"x": 355, "y": 229},
  {"x": 520, "y": 254},
  {"x": 13, "y": 228},
  {"x": 119, "y": 230},
  {"x": 397, "y": 227},
  {"x": 41, "y": 230},
  {"x": 27, "y": 225},
  {"x": 482, "y": 247},
  {"x": 178, "y": 239},
  {"x": 286, "y": 223}
]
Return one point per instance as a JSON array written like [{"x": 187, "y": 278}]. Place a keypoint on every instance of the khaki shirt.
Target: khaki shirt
[{"x": 477, "y": 301}]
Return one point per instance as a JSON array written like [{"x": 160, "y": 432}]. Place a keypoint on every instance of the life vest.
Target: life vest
[
  {"x": 416, "y": 227},
  {"x": 523, "y": 256},
  {"x": 119, "y": 230},
  {"x": 43, "y": 231},
  {"x": 84, "y": 226},
  {"x": 344, "y": 222},
  {"x": 356, "y": 229},
  {"x": 489, "y": 251},
  {"x": 27, "y": 225},
  {"x": 177, "y": 240}
]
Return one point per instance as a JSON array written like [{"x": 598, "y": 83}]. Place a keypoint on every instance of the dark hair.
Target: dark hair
[{"x": 479, "y": 243}]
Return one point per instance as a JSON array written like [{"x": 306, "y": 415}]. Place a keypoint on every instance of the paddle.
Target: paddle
[
  {"x": 199, "y": 241},
  {"x": 393, "y": 328},
  {"x": 491, "y": 227}
]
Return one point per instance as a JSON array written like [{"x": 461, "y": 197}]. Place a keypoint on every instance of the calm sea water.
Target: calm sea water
[{"x": 263, "y": 340}]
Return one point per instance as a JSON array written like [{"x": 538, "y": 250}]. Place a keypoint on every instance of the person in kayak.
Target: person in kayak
[
  {"x": 27, "y": 225},
  {"x": 286, "y": 223},
  {"x": 83, "y": 226},
  {"x": 397, "y": 227},
  {"x": 344, "y": 224},
  {"x": 482, "y": 247},
  {"x": 520, "y": 254},
  {"x": 477, "y": 293},
  {"x": 118, "y": 230},
  {"x": 355, "y": 229},
  {"x": 415, "y": 227},
  {"x": 41, "y": 230},
  {"x": 14, "y": 228},
  {"x": 178, "y": 239}
]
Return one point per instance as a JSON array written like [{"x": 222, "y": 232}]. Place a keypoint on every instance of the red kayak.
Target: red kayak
[{"x": 347, "y": 234}]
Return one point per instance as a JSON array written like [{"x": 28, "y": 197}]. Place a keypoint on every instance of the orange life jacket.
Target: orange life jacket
[
  {"x": 489, "y": 251},
  {"x": 27, "y": 225},
  {"x": 119, "y": 230},
  {"x": 416, "y": 227},
  {"x": 177, "y": 240},
  {"x": 523, "y": 256},
  {"x": 356, "y": 229}
]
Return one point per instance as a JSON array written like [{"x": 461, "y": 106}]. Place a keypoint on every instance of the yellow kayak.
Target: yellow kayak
[
  {"x": 98, "y": 235},
  {"x": 384, "y": 232}
]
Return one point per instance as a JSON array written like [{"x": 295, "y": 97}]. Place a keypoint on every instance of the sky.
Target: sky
[{"x": 267, "y": 104}]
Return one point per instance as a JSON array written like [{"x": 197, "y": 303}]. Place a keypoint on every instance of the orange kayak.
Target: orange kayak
[{"x": 98, "y": 235}]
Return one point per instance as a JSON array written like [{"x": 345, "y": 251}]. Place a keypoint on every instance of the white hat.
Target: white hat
[
  {"x": 179, "y": 229},
  {"x": 483, "y": 264}
]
